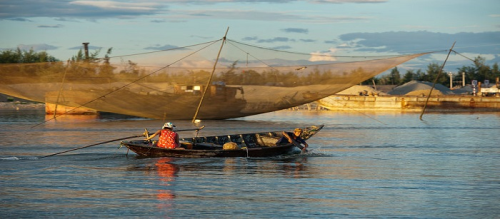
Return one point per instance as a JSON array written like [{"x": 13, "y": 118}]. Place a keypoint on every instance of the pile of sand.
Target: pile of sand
[
  {"x": 361, "y": 90},
  {"x": 464, "y": 90},
  {"x": 420, "y": 88},
  {"x": 424, "y": 93}
]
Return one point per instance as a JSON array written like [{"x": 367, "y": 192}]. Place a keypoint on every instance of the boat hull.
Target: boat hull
[
  {"x": 248, "y": 145},
  {"x": 149, "y": 150}
]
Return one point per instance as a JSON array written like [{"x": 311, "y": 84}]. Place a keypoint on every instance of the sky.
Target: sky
[{"x": 337, "y": 27}]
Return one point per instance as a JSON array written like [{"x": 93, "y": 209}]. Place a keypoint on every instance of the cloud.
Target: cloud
[
  {"x": 78, "y": 9},
  {"x": 201, "y": 37},
  {"x": 117, "y": 6},
  {"x": 331, "y": 41},
  {"x": 37, "y": 47},
  {"x": 424, "y": 41},
  {"x": 201, "y": 15},
  {"x": 349, "y": 1},
  {"x": 50, "y": 26},
  {"x": 295, "y": 30},
  {"x": 90, "y": 47},
  {"x": 307, "y": 40},
  {"x": 323, "y": 56},
  {"x": 275, "y": 39},
  {"x": 164, "y": 47},
  {"x": 250, "y": 38},
  {"x": 20, "y": 19},
  {"x": 158, "y": 21},
  {"x": 272, "y": 1},
  {"x": 227, "y": 1},
  {"x": 259, "y": 15},
  {"x": 93, "y": 10},
  {"x": 281, "y": 47},
  {"x": 66, "y": 20}
]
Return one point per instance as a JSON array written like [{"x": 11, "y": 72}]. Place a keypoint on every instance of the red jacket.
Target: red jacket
[{"x": 168, "y": 139}]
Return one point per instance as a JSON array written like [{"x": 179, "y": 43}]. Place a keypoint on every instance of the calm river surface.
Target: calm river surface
[{"x": 364, "y": 165}]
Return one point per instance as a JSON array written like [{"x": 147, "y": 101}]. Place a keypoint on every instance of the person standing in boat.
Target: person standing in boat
[
  {"x": 294, "y": 138},
  {"x": 168, "y": 138}
]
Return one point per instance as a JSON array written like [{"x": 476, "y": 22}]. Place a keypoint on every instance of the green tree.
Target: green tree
[
  {"x": 23, "y": 56},
  {"x": 480, "y": 71},
  {"x": 93, "y": 57},
  {"x": 432, "y": 74},
  {"x": 395, "y": 77},
  {"x": 371, "y": 81},
  {"x": 409, "y": 76}
]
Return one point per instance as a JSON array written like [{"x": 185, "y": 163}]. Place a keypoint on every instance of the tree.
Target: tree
[
  {"x": 480, "y": 71},
  {"x": 432, "y": 73},
  {"x": 230, "y": 76},
  {"x": 93, "y": 57},
  {"x": 409, "y": 76},
  {"x": 395, "y": 77},
  {"x": 23, "y": 56}
]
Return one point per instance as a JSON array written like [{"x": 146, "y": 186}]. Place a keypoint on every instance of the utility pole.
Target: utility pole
[
  {"x": 463, "y": 79},
  {"x": 451, "y": 79},
  {"x": 86, "y": 48}
]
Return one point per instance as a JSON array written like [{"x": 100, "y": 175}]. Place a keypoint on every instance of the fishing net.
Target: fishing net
[{"x": 182, "y": 82}]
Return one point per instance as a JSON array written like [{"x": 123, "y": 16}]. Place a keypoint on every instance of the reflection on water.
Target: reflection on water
[
  {"x": 443, "y": 167},
  {"x": 296, "y": 167},
  {"x": 167, "y": 173}
]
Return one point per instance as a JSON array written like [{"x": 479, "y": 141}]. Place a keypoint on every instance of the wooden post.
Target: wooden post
[
  {"x": 435, "y": 80},
  {"x": 86, "y": 49},
  {"x": 210, "y": 79}
]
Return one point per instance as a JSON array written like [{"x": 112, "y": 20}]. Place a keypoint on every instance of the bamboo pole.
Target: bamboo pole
[
  {"x": 210, "y": 79},
  {"x": 146, "y": 133},
  {"x": 61, "y": 88},
  {"x": 435, "y": 80}
]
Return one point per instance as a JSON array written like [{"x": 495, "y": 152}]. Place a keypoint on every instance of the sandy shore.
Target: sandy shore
[{"x": 21, "y": 106}]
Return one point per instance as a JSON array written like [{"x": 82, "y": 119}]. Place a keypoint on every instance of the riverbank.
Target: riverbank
[
  {"x": 19, "y": 105},
  {"x": 445, "y": 103}
]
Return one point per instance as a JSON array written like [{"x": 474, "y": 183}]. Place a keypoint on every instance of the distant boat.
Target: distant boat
[
  {"x": 181, "y": 83},
  {"x": 261, "y": 144}
]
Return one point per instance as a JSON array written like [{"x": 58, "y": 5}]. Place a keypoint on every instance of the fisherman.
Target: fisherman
[
  {"x": 294, "y": 138},
  {"x": 168, "y": 138}
]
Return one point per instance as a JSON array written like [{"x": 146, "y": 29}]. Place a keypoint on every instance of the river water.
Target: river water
[{"x": 363, "y": 165}]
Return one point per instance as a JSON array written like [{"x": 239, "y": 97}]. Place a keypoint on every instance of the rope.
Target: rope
[
  {"x": 324, "y": 55},
  {"x": 463, "y": 56},
  {"x": 299, "y": 53}
]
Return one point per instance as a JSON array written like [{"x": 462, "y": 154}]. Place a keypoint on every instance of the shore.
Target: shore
[
  {"x": 18, "y": 105},
  {"x": 445, "y": 103}
]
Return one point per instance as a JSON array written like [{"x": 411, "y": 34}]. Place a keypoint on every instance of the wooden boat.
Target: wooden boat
[{"x": 246, "y": 145}]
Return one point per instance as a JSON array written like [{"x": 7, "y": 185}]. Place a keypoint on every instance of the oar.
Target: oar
[
  {"x": 118, "y": 139},
  {"x": 297, "y": 144}
]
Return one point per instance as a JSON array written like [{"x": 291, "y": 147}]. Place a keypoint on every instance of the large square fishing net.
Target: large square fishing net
[{"x": 194, "y": 80}]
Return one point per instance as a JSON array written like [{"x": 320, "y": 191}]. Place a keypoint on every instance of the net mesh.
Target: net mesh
[{"x": 169, "y": 84}]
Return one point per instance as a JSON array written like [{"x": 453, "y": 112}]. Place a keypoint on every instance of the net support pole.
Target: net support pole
[
  {"x": 61, "y": 89},
  {"x": 435, "y": 80},
  {"x": 210, "y": 79}
]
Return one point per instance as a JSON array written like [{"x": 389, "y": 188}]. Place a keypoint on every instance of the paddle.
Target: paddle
[
  {"x": 297, "y": 144},
  {"x": 118, "y": 139}
]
